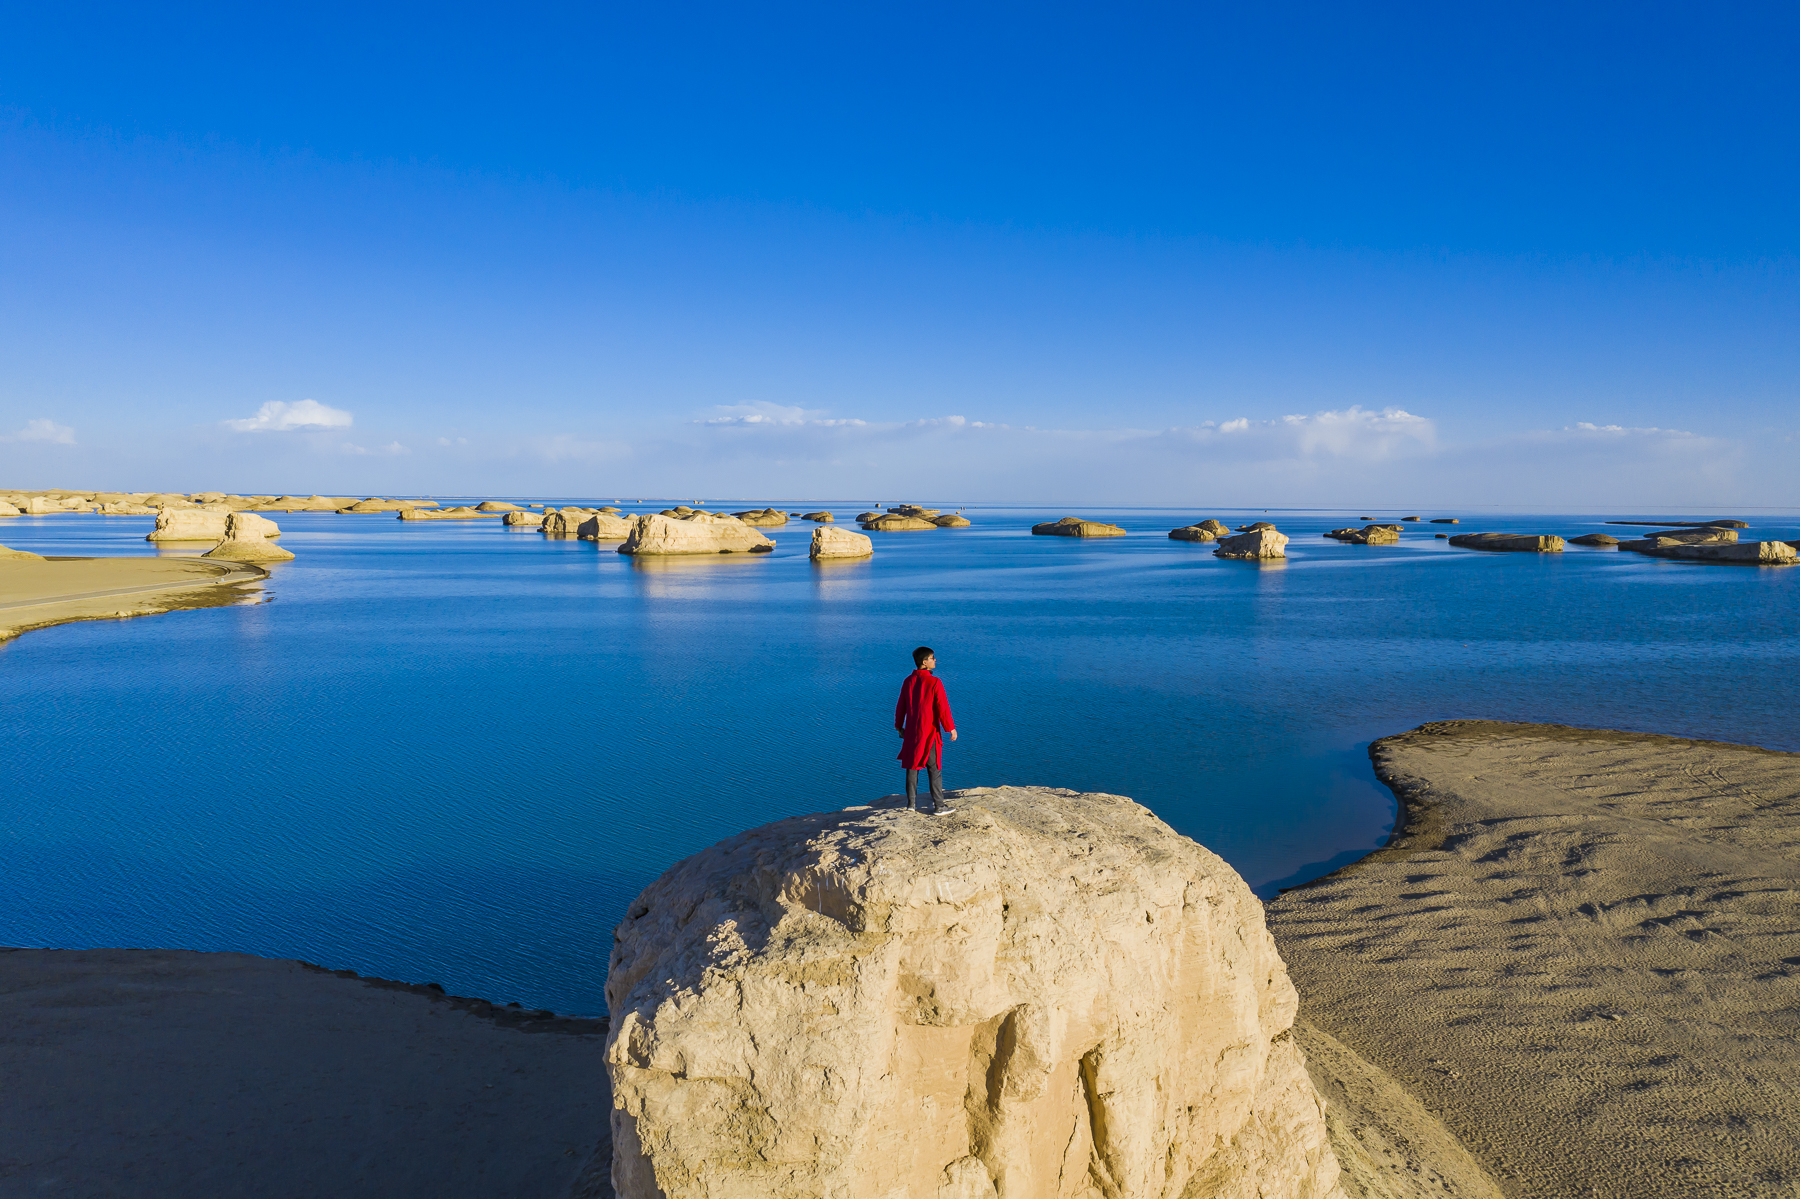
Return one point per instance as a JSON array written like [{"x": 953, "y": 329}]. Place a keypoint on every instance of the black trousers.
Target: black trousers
[{"x": 936, "y": 778}]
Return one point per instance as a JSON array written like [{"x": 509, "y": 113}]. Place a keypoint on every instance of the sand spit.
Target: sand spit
[
  {"x": 1581, "y": 951},
  {"x": 163, "y": 1074},
  {"x": 35, "y": 594}
]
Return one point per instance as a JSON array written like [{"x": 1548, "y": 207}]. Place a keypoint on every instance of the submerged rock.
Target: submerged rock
[
  {"x": 1263, "y": 543},
  {"x": 247, "y": 540},
  {"x": 839, "y": 543},
  {"x": 188, "y": 524},
  {"x": 1074, "y": 526},
  {"x": 702, "y": 533},
  {"x": 1526, "y": 543},
  {"x": 1047, "y": 995},
  {"x": 1594, "y": 539}
]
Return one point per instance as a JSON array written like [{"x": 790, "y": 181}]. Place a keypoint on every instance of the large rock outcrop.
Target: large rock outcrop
[
  {"x": 1193, "y": 533},
  {"x": 188, "y": 524},
  {"x": 1517, "y": 543},
  {"x": 1754, "y": 553},
  {"x": 1048, "y": 995},
  {"x": 829, "y": 543},
  {"x": 767, "y": 518},
  {"x": 247, "y": 540},
  {"x": 893, "y": 522},
  {"x": 603, "y": 526},
  {"x": 701, "y": 533},
  {"x": 1261, "y": 545},
  {"x": 530, "y": 520},
  {"x": 1367, "y": 535},
  {"x": 1074, "y": 526}
]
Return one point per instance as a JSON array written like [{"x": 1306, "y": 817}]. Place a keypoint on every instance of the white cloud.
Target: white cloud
[
  {"x": 44, "y": 430},
  {"x": 391, "y": 449},
  {"x": 279, "y": 417},
  {"x": 765, "y": 413}
]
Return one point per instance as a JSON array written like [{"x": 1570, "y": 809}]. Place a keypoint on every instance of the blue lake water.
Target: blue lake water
[{"x": 453, "y": 752}]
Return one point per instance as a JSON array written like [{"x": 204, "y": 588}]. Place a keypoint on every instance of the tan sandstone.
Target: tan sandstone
[
  {"x": 1193, "y": 533},
  {"x": 1048, "y": 995},
  {"x": 188, "y": 524},
  {"x": 1367, "y": 535},
  {"x": 603, "y": 526},
  {"x": 1074, "y": 526},
  {"x": 515, "y": 520},
  {"x": 1260, "y": 545},
  {"x": 247, "y": 540},
  {"x": 839, "y": 543},
  {"x": 1519, "y": 543},
  {"x": 893, "y": 522},
  {"x": 701, "y": 533}
]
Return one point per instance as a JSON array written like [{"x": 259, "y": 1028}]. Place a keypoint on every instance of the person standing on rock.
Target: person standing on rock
[{"x": 924, "y": 711}]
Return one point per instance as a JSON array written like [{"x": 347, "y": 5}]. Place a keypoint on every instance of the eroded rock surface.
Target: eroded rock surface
[
  {"x": 1048, "y": 995},
  {"x": 700, "y": 533},
  {"x": 830, "y": 543},
  {"x": 247, "y": 540},
  {"x": 188, "y": 524},
  {"x": 1074, "y": 526},
  {"x": 1518, "y": 543},
  {"x": 1262, "y": 544}
]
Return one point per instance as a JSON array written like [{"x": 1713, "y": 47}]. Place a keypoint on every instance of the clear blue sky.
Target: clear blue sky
[{"x": 1198, "y": 255}]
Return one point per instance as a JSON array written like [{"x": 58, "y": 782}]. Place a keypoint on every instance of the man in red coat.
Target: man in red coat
[{"x": 923, "y": 710}]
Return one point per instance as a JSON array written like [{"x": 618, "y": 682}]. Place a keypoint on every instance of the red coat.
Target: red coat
[{"x": 923, "y": 710}]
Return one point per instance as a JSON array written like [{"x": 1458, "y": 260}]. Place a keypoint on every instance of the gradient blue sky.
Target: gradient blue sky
[{"x": 1444, "y": 256}]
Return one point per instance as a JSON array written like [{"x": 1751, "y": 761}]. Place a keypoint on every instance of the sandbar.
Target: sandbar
[
  {"x": 164, "y": 1074},
  {"x": 35, "y": 593},
  {"x": 1581, "y": 951}
]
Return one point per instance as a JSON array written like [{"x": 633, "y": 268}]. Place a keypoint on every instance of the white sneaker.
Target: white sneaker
[{"x": 945, "y": 812}]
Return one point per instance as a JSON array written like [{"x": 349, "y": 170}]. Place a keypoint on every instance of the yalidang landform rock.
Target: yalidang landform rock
[{"x": 1048, "y": 995}]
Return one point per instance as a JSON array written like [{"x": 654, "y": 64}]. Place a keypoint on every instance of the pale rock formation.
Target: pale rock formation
[
  {"x": 1262, "y": 544},
  {"x": 1651, "y": 542},
  {"x": 893, "y": 522},
  {"x": 565, "y": 522},
  {"x": 496, "y": 506},
  {"x": 377, "y": 504},
  {"x": 702, "y": 533},
  {"x": 950, "y": 520},
  {"x": 246, "y": 540},
  {"x": 1074, "y": 526},
  {"x": 766, "y": 518},
  {"x": 603, "y": 526},
  {"x": 823, "y": 518},
  {"x": 839, "y": 543},
  {"x": 1193, "y": 533},
  {"x": 37, "y": 505},
  {"x": 7, "y": 509},
  {"x": 1048, "y": 995},
  {"x": 528, "y": 519},
  {"x": 127, "y": 509},
  {"x": 20, "y": 555},
  {"x": 188, "y": 524},
  {"x": 1217, "y": 528},
  {"x": 1367, "y": 535},
  {"x": 1754, "y": 553},
  {"x": 1524, "y": 543},
  {"x": 1255, "y": 528},
  {"x": 1594, "y": 539},
  {"x": 866, "y": 517},
  {"x": 463, "y": 512},
  {"x": 913, "y": 510},
  {"x": 208, "y": 497}
]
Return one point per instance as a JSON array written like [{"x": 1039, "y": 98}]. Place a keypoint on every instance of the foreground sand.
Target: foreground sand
[
  {"x": 1582, "y": 952},
  {"x": 160, "y": 1074},
  {"x": 35, "y": 593}
]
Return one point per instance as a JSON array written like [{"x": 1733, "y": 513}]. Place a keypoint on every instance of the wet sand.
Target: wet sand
[
  {"x": 1582, "y": 952},
  {"x": 35, "y": 593},
  {"x": 161, "y": 1074}
]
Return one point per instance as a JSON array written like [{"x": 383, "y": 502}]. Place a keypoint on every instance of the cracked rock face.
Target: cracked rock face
[{"x": 1045, "y": 995}]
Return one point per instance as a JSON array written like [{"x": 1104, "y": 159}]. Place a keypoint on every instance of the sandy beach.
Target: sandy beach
[
  {"x": 38, "y": 592},
  {"x": 1581, "y": 952},
  {"x": 152, "y": 1073}
]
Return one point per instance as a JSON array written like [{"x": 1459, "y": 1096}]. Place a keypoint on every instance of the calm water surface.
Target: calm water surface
[{"x": 453, "y": 752}]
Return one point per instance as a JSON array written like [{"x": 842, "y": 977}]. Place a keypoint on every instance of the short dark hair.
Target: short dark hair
[{"x": 922, "y": 653}]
